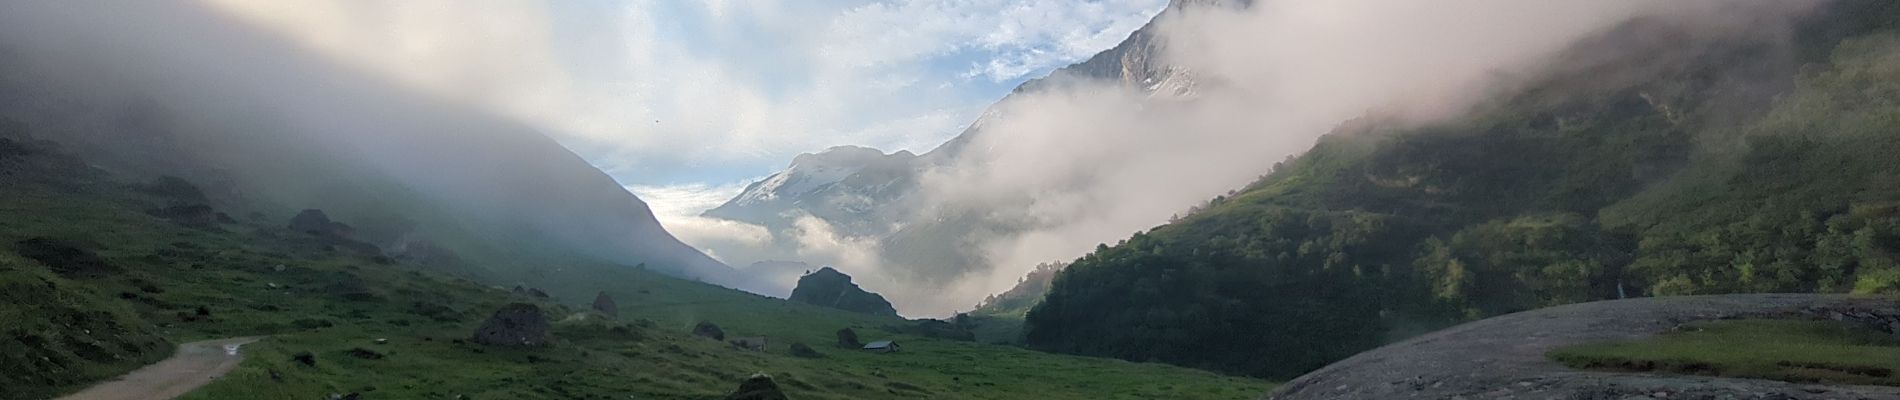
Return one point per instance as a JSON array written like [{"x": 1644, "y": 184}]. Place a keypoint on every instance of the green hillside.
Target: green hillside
[
  {"x": 1651, "y": 160},
  {"x": 101, "y": 275}
]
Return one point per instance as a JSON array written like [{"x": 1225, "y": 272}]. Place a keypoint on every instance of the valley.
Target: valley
[
  {"x": 1176, "y": 199},
  {"x": 335, "y": 319}
]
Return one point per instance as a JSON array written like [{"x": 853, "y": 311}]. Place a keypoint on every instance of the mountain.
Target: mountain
[
  {"x": 1653, "y": 159},
  {"x": 843, "y": 185},
  {"x": 168, "y": 176},
  {"x": 923, "y": 238},
  {"x": 279, "y": 130},
  {"x": 94, "y": 284}
]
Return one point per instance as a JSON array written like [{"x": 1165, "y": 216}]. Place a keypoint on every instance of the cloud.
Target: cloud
[
  {"x": 678, "y": 208},
  {"x": 664, "y": 91},
  {"x": 1091, "y": 163}
]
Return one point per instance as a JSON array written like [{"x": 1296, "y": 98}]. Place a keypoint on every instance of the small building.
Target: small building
[{"x": 881, "y": 346}]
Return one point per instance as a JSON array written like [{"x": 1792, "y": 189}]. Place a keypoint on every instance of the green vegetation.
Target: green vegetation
[
  {"x": 1784, "y": 350},
  {"x": 999, "y": 318},
  {"x": 1648, "y": 162},
  {"x": 144, "y": 281}
]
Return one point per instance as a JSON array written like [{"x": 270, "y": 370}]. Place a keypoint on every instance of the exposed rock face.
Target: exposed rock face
[
  {"x": 605, "y": 305},
  {"x": 707, "y": 329},
  {"x": 1504, "y": 357},
  {"x": 65, "y": 258},
  {"x": 830, "y": 288},
  {"x": 848, "y": 338},
  {"x": 758, "y": 387},
  {"x": 517, "y": 324}
]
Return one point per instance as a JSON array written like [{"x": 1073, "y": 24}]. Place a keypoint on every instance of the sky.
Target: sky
[{"x": 686, "y": 101}]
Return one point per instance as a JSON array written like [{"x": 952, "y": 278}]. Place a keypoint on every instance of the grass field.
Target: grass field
[
  {"x": 1785, "y": 350},
  {"x": 169, "y": 283}
]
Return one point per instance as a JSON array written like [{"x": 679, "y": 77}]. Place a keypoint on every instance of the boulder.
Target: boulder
[
  {"x": 517, "y": 324},
  {"x": 311, "y": 221},
  {"x": 800, "y": 350},
  {"x": 758, "y": 387},
  {"x": 707, "y": 329},
  {"x": 315, "y": 222},
  {"x": 605, "y": 305},
  {"x": 848, "y": 338},
  {"x": 178, "y": 190}
]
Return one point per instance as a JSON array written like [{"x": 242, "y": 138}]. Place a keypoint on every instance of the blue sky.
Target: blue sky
[{"x": 683, "y": 101}]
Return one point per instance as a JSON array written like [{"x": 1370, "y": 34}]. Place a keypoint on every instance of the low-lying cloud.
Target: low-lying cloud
[{"x": 1092, "y": 163}]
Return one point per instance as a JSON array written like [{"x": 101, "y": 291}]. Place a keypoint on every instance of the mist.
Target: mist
[
  {"x": 1090, "y": 161},
  {"x": 282, "y": 102},
  {"x": 185, "y": 89}
]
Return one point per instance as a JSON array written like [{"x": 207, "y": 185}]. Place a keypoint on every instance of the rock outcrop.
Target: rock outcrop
[
  {"x": 801, "y": 350},
  {"x": 829, "y": 288},
  {"x": 757, "y": 387},
  {"x": 848, "y": 338},
  {"x": 605, "y": 305},
  {"x": 315, "y": 222},
  {"x": 518, "y": 324},
  {"x": 707, "y": 329}
]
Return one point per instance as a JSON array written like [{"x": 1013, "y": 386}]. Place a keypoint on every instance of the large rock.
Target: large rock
[
  {"x": 848, "y": 338},
  {"x": 758, "y": 387},
  {"x": 315, "y": 222},
  {"x": 707, "y": 329},
  {"x": 830, "y": 288},
  {"x": 517, "y": 324},
  {"x": 605, "y": 305}
]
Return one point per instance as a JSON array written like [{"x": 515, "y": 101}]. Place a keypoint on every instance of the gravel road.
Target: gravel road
[{"x": 194, "y": 365}]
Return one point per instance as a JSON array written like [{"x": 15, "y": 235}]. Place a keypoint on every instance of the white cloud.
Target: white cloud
[
  {"x": 678, "y": 208},
  {"x": 686, "y": 199},
  {"x": 660, "y": 91}
]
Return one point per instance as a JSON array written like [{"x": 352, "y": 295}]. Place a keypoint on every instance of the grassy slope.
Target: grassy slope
[
  {"x": 1798, "y": 351},
  {"x": 329, "y": 300}
]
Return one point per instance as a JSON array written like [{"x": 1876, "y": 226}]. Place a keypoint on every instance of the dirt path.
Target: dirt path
[
  {"x": 1503, "y": 357},
  {"x": 194, "y": 365}
]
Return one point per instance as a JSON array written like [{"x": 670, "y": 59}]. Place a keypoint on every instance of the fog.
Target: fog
[
  {"x": 1093, "y": 162},
  {"x": 299, "y": 114},
  {"x": 182, "y": 88}
]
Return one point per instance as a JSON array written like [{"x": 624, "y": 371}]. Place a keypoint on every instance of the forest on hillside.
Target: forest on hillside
[{"x": 1677, "y": 165}]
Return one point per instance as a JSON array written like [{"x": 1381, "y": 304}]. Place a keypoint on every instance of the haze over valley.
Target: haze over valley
[{"x": 850, "y": 199}]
